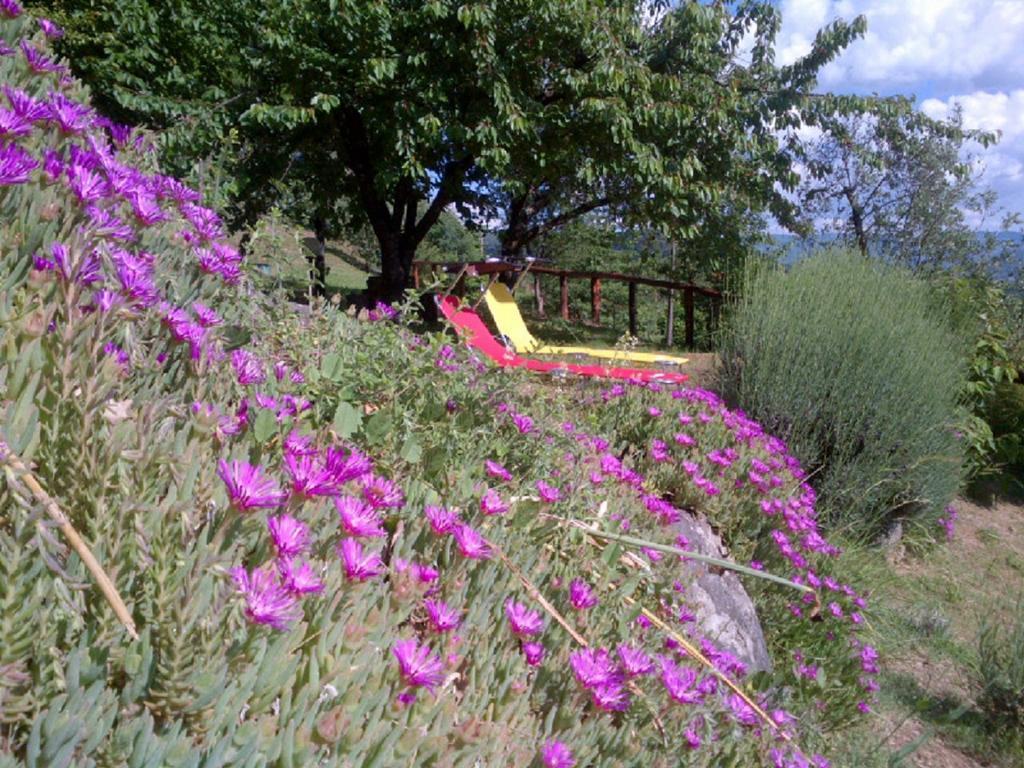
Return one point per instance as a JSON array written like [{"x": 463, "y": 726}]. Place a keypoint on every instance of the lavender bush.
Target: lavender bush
[{"x": 230, "y": 535}]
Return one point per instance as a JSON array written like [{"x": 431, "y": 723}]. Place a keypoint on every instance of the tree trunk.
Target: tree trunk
[
  {"x": 514, "y": 239},
  {"x": 857, "y": 219}
]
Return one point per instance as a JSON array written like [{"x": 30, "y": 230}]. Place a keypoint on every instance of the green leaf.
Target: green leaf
[
  {"x": 411, "y": 450},
  {"x": 265, "y": 426},
  {"x": 347, "y": 419},
  {"x": 332, "y": 367},
  {"x": 378, "y": 426}
]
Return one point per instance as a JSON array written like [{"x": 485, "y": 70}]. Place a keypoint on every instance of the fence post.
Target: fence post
[
  {"x": 563, "y": 284},
  {"x": 595, "y": 300},
  {"x": 632, "y": 309},
  {"x": 688, "y": 309},
  {"x": 671, "y": 320},
  {"x": 538, "y": 294}
]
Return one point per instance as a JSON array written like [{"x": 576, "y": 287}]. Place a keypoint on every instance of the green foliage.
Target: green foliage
[
  {"x": 1000, "y": 675},
  {"x": 851, "y": 365}
]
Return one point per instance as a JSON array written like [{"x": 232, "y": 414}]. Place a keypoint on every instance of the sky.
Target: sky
[{"x": 942, "y": 52}]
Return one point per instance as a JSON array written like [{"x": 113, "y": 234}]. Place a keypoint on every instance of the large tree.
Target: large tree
[{"x": 901, "y": 186}]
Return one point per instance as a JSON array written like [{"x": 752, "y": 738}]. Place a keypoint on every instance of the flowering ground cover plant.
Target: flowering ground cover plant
[{"x": 291, "y": 556}]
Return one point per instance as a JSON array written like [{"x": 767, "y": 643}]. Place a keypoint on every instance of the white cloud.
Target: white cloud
[
  {"x": 1004, "y": 112},
  {"x": 969, "y": 52},
  {"x": 939, "y": 44}
]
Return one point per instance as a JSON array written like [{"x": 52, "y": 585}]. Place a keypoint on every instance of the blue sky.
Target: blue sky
[{"x": 943, "y": 52}]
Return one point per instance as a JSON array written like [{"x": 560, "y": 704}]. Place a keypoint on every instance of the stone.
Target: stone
[{"x": 725, "y": 613}]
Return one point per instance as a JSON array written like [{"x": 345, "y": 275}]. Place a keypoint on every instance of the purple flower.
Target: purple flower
[
  {"x": 206, "y": 223},
  {"x": 581, "y": 595},
  {"x": 248, "y": 367},
  {"x": 492, "y": 504},
  {"x": 51, "y": 30},
  {"x": 679, "y": 681},
  {"x": 247, "y": 486},
  {"x": 107, "y": 225},
  {"x": 69, "y": 115},
  {"x": 12, "y": 124},
  {"x": 417, "y": 665},
  {"x": 299, "y": 579},
  {"x": 206, "y": 316},
  {"x": 442, "y": 521},
  {"x": 37, "y": 62},
  {"x": 309, "y": 476},
  {"x": 381, "y": 493},
  {"x": 359, "y": 565},
  {"x": 741, "y": 710},
  {"x": 556, "y": 755},
  {"x": 345, "y": 465},
  {"x": 471, "y": 544},
  {"x": 611, "y": 697},
  {"x": 634, "y": 661},
  {"x": 522, "y": 620},
  {"x": 266, "y": 600},
  {"x": 15, "y": 165},
  {"x": 145, "y": 207},
  {"x": 443, "y": 618},
  {"x": 494, "y": 469},
  {"x": 594, "y": 667},
  {"x": 87, "y": 185},
  {"x": 534, "y": 654},
  {"x": 290, "y": 536},
  {"x": 692, "y": 739},
  {"x": 358, "y": 518},
  {"x": 548, "y": 493},
  {"x": 523, "y": 423},
  {"x": 10, "y": 9}
]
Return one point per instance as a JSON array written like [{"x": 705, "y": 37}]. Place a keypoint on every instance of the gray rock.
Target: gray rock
[{"x": 724, "y": 611}]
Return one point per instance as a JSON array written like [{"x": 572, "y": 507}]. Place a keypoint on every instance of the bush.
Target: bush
[
  {"x": 850, "y": 364},
  {"x": 1000, "y": 674}
]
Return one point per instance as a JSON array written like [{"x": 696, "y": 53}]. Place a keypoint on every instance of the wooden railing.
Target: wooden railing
[{"x": 688, "y": 290}]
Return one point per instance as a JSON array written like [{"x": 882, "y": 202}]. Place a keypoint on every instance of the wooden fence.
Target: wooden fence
[{"x": 689, "y": 291}]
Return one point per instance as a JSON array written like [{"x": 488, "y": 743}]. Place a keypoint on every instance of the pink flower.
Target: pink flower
[
  {"x": 692, "y": 739},
  {"x": 534, "y": 653},
  {"x": 417, "y": 665},
  {"x": 523, "y": 423},
  {"x": 346, "y": 464},
  {"x": 442, "y": 521},
  {"x": 522, "y": 621},
  {"x": 309, "y": 476},
  {"x": 297, "y": 444},
  {"x": 471, "y": 544},
  {"x": 359, "y": 518},
  {"x": 741, "y": 710},
  {"x": 382, "y": 493},
  {"x": 266, "y": 600},
  {"x": 298, "y": 578},
  {"x": 290, "y": 536},
  {"x": 581, "y": 595},
  {"x": 634, "y": 661},
  {"x": 492, "y": 504},
  {"x": 247, "y": 486},
  {"x": 494, "y": 469},
  {"x": 248, "y": 367},
  {"x": 359, "y": 565},
  {"x": 207, "y": 317},
  {"x": 594, "y": 667},
  {"x": 443, "y": 618},
  {"x": 548, "y": 493},
  {"x": 556, "y": 755},
  {"x": 679, "y": 681},
  {"x": 659, "y": 451}
]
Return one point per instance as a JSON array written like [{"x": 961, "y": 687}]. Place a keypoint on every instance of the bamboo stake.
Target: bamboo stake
[{"x": 103, "y": 581}]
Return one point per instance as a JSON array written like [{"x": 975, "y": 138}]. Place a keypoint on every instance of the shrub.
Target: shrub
[
  {"x": 849, "y": 364},
  {"x": 1000, "y": 674},
  {"x": 319, "y": 562}
]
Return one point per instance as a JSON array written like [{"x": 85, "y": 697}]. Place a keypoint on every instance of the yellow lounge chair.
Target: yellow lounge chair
[{"x": 510, "y": 324}]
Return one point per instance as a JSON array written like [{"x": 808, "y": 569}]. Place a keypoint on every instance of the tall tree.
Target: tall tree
[{"x": 901, "y": 186}]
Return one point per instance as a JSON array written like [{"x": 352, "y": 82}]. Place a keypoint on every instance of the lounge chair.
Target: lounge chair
[
  {"x": 510, "y": 324},
  {"x": 476, "y": 334}
]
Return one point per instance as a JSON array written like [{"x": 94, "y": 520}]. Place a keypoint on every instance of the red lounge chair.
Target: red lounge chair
[{"x": 475, "y": 333}]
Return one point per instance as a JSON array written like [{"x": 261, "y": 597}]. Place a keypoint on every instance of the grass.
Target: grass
[{"x": 927, "y": 613}]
